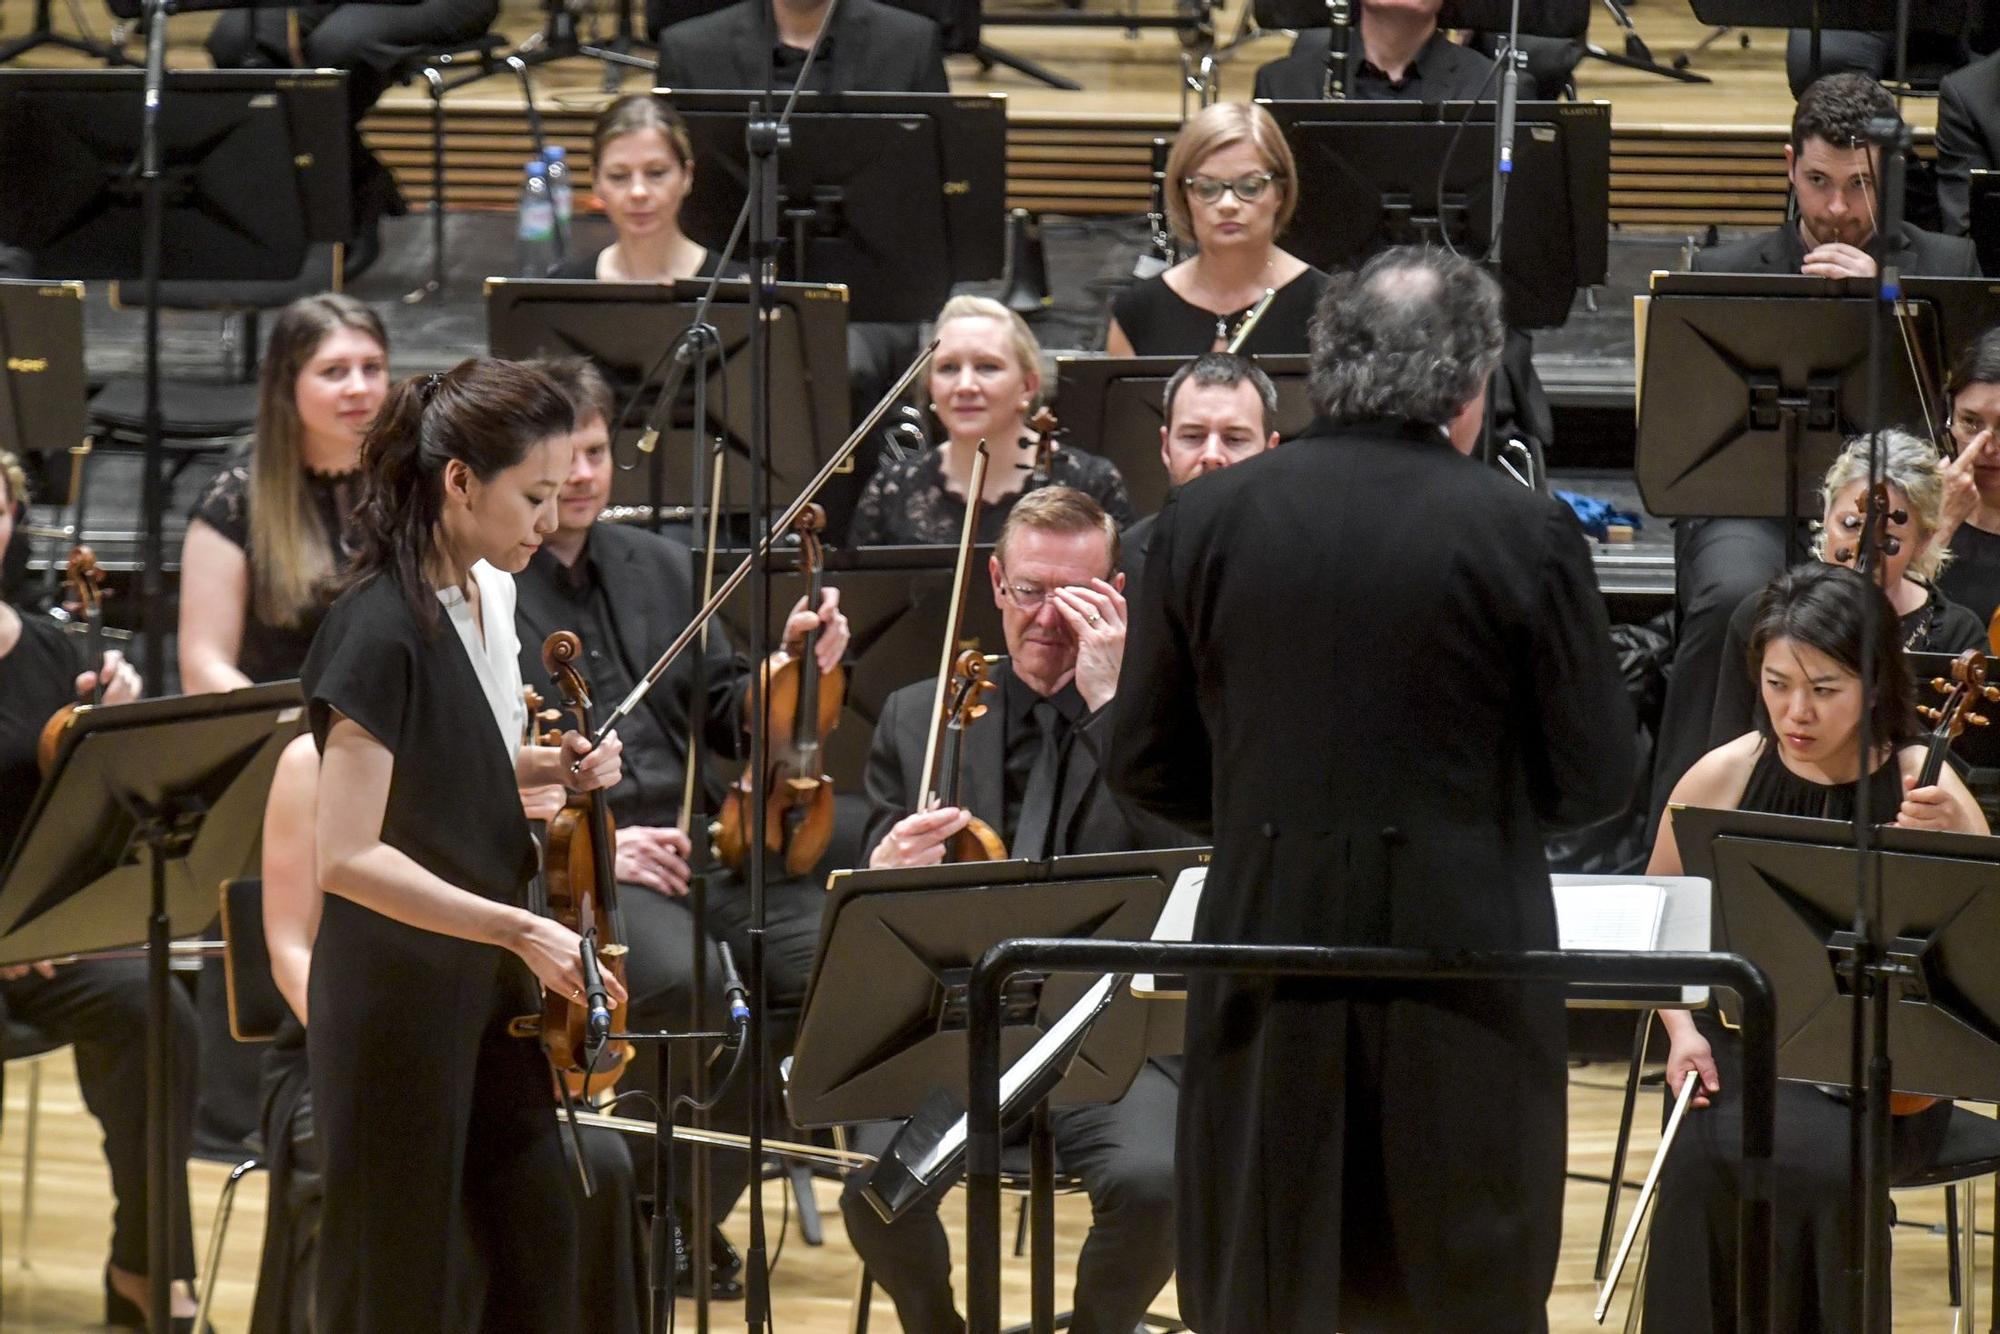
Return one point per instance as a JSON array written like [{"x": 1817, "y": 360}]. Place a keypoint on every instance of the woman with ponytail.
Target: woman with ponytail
[{"x": 447, "y": 1202}]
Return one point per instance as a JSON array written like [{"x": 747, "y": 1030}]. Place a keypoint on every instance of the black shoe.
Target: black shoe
[{"x": 121, "y": 1312}]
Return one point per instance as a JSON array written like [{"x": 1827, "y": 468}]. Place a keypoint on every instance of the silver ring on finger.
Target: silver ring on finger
[{"x": 1094, "y": 620}]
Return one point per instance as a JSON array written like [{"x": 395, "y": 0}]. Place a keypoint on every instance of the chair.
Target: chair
[
  {"x": 25, "y": 1042},
  {"x": 1971, "y": 1150},
  {"x": 42, "y": 33},
  {"x": 480, "y": 58}
]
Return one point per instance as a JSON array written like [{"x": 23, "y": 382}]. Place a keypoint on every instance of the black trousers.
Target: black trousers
[
  {"x": 1124, "y": 1154},
  {"x": 1691, "y": 1277},
  {"x": 448, "y": 1203},
  {"x": 1717, "y": 564},
  {"x": 99, "y": 1007}
]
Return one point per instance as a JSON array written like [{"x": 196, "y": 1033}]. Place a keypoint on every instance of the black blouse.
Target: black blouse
[
  {"x": 1972, "y": 580},
  {"x": 453, "y": 806},
  {"x": 585, "y": 266},
  {"x": 275, "y": 652},
  {"x": 1159, "y": 322},
  {"x": 1776, "y": 790},
  {"x": 906, "y": 503},
  {"x": 37, "y": 677}
]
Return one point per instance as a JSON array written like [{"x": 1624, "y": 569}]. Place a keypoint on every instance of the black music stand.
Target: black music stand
[
  {"x": 1118, "y": 405},
  {"x": 1816, "y": 16},
  {"x": 1397, "y": 173},
  {"x": 207, "y": 174},
  {"x": 621, "y": 327},
  {"x": 1751, "y": 385},
  {"x": 148, "y": 808},
  {"x": 1784, "y": 898},
  {"x": 884, "y": 1020},
  {"x": 852, "y": 188},
  {"x": 1984, "y": 191},
  {"x": 41, "y": 364}
]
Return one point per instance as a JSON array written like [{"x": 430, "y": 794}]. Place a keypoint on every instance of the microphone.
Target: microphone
[
  {"x": 597, "y": 1028},
  {"x": 733, "y": 990}
]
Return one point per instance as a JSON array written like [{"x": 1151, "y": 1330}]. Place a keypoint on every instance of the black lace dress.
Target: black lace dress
[
  {"x": 906, "y": 502},
  {"x": 1691, "y": 1277},
  {"x": 275, "y": 652}
]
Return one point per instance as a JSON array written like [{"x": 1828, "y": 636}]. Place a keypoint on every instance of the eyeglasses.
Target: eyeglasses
[
  {"x": 1246, "y": 187},
  {"x": 1028, "y": 597}
]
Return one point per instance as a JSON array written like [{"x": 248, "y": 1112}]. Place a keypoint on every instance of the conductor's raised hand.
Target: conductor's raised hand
[
  {"x": 918, "y": 840},
  {"x": 554, "y": 954},
  {"x": 829, "y": 620},
  {"x": 121, "y": 680},
  {"x": 1926, "y": 807},
  {"x": 598, "y": 768},
  {"x": 1690, "y": 1054}
]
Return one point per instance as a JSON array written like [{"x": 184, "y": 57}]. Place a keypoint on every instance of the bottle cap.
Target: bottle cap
[
  {"x": 537, "y": 168},
  {"x": 555, "y": 153}
]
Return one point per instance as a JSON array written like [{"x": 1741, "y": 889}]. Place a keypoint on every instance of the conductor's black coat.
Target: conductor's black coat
[{"x": 1377, "y": 672}]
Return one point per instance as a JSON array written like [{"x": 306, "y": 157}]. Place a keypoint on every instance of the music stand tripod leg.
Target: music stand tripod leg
[
  {"x": 1617, "y": 1185},
  {"x": 988, "y": 56}
]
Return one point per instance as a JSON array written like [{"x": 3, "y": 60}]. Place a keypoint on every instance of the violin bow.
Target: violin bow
[{"x": 975, "y": 491}]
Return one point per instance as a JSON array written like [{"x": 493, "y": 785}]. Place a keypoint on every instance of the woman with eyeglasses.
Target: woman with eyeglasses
[
  {"x": 1231, "y": 188},
  {"x": 1971, "y": 522},
  {"x": 985, "y": 379}
]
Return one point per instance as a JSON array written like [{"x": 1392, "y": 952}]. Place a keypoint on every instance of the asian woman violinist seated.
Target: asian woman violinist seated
[
  {"x": 97, "y": 1005},
  {"x": 447, "y": 1201},
  {"x": 1802, "y": 758}
]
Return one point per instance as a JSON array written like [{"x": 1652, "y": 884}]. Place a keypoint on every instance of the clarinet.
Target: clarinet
[
  {"x": 1161, "y": 253},
  {"x": 1340, "y": 22}
]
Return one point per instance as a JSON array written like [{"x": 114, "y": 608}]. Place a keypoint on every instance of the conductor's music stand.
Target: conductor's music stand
[
  {"x": 148, "y": 808},
  {"x": 1751, "y": 385},
  {"x": 897, "y": 195},
  {"x": 1117, "y": 404},
  {"x": 1784, "y": 898},
  {"x": 621, "y": 327}
]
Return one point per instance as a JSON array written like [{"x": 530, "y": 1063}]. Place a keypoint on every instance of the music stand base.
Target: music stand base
[{"x": 988, "y": 56}]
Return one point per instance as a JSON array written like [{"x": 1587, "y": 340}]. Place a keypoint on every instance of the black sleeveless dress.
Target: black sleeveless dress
[{"x": 1691, "y": 1277}]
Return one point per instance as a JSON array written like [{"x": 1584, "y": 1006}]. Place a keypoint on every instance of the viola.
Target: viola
[
  {"x": 1870, "y": 545},
  {"x": 1050, "y": 438},
  {"x": 86, "y": 601},
  {"x": 801, "y": 707},
  {"x": 579, "y": 876}
]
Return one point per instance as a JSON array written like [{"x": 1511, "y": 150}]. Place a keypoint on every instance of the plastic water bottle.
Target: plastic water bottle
[
  {"x": 534, "y": 237},
  {"x": 555, "y": 159}
]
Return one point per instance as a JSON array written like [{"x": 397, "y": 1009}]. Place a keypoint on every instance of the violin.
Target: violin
[
  {"x": 1867, "y": 545},
  {"x": 580, "y": 880},
  {"x": 1965, "y": 687},
  {"x": 961, "y": 689},
  {"x": 801, "y": 706},
  {"x": 86, "y": 600},
  {"x": 1050, "y": 437},
  {"x": 965, "y": 701}
]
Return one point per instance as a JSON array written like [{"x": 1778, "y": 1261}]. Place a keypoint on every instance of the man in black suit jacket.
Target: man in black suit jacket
[
  {"x": 873, "y": 47},
  {"x": 1968, "y": 137},
  {"x": 1220, "y": 409},
  {"x": 628, "y": 593},
  {"x": 1431, "y": 691},
  {"x": 1720, "y": 562},
  {"x": 1031, "y": 769},
  {"x": 1395, "y": 51}
]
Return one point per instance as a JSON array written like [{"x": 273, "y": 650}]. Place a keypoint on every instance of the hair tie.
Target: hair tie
[{"x": 431, "y": 383}]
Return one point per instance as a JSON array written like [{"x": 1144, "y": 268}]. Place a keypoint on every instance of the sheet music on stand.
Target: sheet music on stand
[{"x": 1610, "y": 915}]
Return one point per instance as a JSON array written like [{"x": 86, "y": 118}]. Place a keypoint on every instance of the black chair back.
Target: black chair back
[{"x": 256, "y": 1006}]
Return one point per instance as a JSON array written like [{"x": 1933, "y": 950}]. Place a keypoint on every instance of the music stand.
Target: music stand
[
  {"x": 1751, "y": 385},
  {"x": 1817, "y": 16},
  {"x": 621, "y": 327},
  {"x": 1117, "y": 406},
  {"x": 884, "y": 1018},
  {"x": 853, "y": 187},
  {"x": 148, "y": 808},
  {"x": 41, "y": 357},
  {"x": 1399, "y": 173},
  {"x": 1784, "y": 898},
  {"x": 1984, "y": 195},
  {"x": 255, "y": 165}
]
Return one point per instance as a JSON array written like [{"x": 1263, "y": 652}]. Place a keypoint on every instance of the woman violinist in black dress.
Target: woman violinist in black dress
[
  {"x": 1803, "y": 758},
  {"x": 447, "y": 1201}
]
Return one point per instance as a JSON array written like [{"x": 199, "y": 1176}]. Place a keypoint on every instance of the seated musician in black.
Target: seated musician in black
[
  {"x": 627, "y": 593},
  {"x": 1395, "y": 50},
  {"x": 1033, "y": 772},
  {"x": 873, "y": 47},
  {"x": 1719, "y": 562},
  {"x": 1971, "y": 523},
  {"x": 1802, "y": 758},
  {"x": 97, "y": 1005},
  {"x": 1927, "y": 621},
  {"x": 1220, "y": 409},
  {"x": 1968, "y": 137}
]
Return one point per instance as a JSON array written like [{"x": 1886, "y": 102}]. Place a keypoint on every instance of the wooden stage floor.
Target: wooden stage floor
[{"x": 58, "y": 1289}]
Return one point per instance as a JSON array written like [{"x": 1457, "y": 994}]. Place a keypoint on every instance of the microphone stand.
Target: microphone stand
[
  {"x": 1513, "y": 60},
  {"x": 1870, "y": 1076}
]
